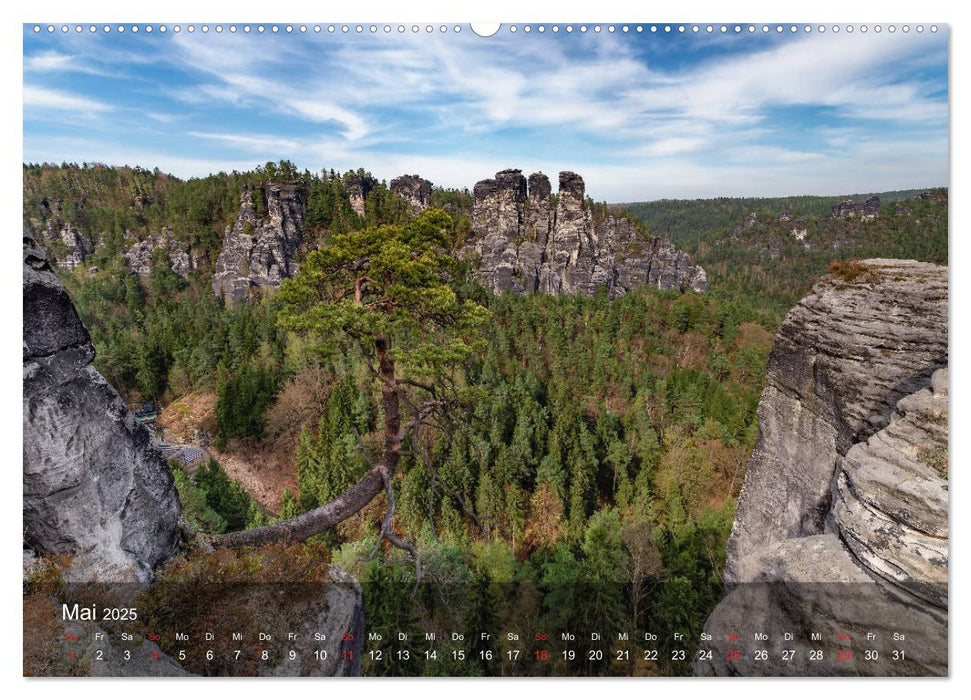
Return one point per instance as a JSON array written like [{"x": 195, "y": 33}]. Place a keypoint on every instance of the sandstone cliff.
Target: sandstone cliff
[
  {"x": 359, "y": 186},
  {"x": 848, "y": 209},
  {"x": 414, "y": 189},
  {"x": 77, "y": 248},
  {"x": 261, "y": 251},
  {"x": 139, "y": 256},
  {"x": 55, "y": 231},
  {"x": 525, "y": 244},
  {"x": 93, "y": 487},
  {"x": 841, "y": 524},
  {"x": 844, "y": 356}
]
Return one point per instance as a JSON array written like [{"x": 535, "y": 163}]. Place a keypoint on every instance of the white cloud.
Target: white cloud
[
  {"x": 759, "y": 154},
  {"x": 48, "y": 61},
  {"x": 453, "y": 108},
  {"x": 252, "y": 142},
  {"x": 274, "y": 78},
  {"x": 369, "y": 86},
  {"x": 162, "y": 117},
  {"x": 51, "y": 62},
  {"x": 849, "y": 73},
  {"x": 318, "y": 111},
  {"x": 673, "y": 145},
  {"x": 47, "y": 99}
]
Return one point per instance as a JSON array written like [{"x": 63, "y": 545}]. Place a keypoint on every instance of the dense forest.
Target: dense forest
[
  {"x": 774, "y": 249},
  {"x": 114, "y": 206},
  {"x": 583, "y": 475}
]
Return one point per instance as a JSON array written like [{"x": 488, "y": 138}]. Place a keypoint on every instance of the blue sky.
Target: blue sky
[{"x": 639, "y": 115}]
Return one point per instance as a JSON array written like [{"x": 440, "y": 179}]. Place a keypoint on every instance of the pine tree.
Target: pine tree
[
  {"x": 289, "y": 508},
  {"x": 308, "y": 468},
  {"x": 382, "y": 292}
]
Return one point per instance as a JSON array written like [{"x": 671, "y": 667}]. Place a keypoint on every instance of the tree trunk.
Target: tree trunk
[
  {"x": 355, "y": 498},
  {"x": 392, "y": 407}
]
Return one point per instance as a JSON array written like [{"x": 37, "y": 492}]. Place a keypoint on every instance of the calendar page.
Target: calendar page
[{"x": 409, "y": 349}]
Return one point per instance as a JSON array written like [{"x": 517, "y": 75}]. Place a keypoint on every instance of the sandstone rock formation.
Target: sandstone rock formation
[
  {"x": 261, "y": 252},
  {"x": 810, "y": 595},
  {"x": 340, "y": 613},
  {"x": 326, "y": 620},
  {"x": 842, "y": 359},
  {"x": 66, "y": 245},
  {"x": 359, "y": 186},
  {"x": 799, "y": 231},
  {"x": 525, "y": 245},
  {"x": 139, "y": 256},
  {"x": 841, "y": 524},
  {"x": 891, "y": 496},
  {"x": 93, "y": 487},
  {"x": 77, "y": 249},
  {"x": 414, "y": 189},
  {"x": 848, "y": 209}
]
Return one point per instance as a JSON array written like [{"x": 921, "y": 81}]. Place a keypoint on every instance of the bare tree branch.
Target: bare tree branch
[
  {"x": 360, "y": 444},
  {"x": 418, "y": 385},
  {"x": 388, "y": 533}
]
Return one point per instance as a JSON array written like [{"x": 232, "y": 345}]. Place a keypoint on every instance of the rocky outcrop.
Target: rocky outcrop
[
  {"x": 497, "y": 206},
  {"x": 339, "y": 623},
  {"x": 810, "y": 596},
  {"x": 859, "y": 342},
  {"x": 524, "y": 244},
  {"x": 66, "y": 246},
  {"x": 94, "y": 489},
  {"x": 139, "y": 256},
  {"x": 848, "y": 209},
  {"x": 321, "y": 621},
  {"x": 841, "y": 523},
  {"x": 359, "y": 186},
  {"x": 799, "y": 230},
  {"x": 76, "y": 248},
  {"x": 415, "y": 190},
  {"x": 891, "y": 496},
  {"x": 261, "y": 251}
]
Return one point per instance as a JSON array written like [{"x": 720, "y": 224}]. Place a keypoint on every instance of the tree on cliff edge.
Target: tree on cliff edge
[{"x": 386, "y": 290}]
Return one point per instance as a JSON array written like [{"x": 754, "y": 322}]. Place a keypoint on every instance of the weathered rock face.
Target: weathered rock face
[
  {"x": 810, "y": 593},
  {"x": 66, "y": 246},
  {"x": 842, "y": 359},
  {"x": 326, "y": 619},
  {"x": 891, "y": 496},
  {"x": 358, "y": 188},
  {"x": 261, "y": 252},
  {"x": 841, "y": 524},
  {"x": 77, "y": 247},
  {"x": 849, "y": 209},
  {"x": 139, "y": 256},
  {"x": 524, "y": 245},
  {"x": 342, "y": 614},
  {"x": 93, "y": 486},
  {"x": 414, "y": 189},
  {"x": 496, "y": 210}
]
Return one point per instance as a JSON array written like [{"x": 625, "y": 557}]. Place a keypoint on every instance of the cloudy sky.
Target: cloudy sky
[{"x": 639, "y": 115}]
